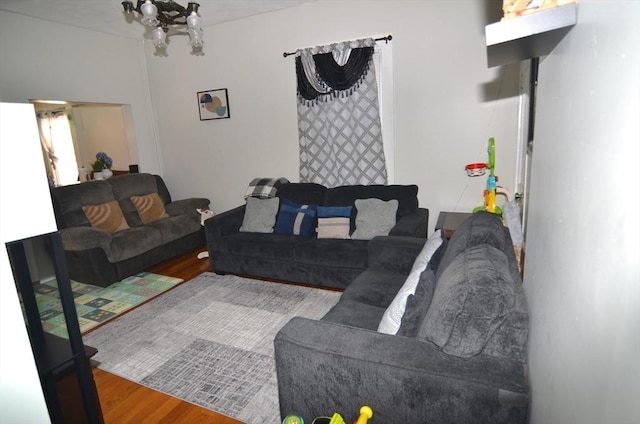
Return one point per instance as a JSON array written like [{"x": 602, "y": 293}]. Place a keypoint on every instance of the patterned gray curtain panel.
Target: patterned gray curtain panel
[{"x": 338, "y": 115}]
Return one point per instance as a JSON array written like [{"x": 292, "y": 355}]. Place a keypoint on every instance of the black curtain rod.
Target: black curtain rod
[{"x": 387, "y": 39}]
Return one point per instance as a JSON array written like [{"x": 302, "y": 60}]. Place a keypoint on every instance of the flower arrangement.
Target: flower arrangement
[{"x": 103, "y": 161}]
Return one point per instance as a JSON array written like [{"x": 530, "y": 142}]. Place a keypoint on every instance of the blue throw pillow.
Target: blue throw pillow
[
  {"x": 295, "y": 219},
  {"x": 334, "y": 211},
  {"x": 333, "y": 221}
]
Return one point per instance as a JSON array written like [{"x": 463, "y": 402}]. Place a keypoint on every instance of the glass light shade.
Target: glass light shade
[
  {"x": 193, "y": 21},
  {"x": 149, "y": 13},
  {"x": 159, "y": 38},
  {"x": 195, "y": 37}
]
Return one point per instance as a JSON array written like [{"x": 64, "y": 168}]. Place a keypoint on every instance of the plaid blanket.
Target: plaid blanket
[{"x": 264, "y": 188}]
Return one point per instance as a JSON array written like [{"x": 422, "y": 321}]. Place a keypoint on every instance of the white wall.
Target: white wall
[
  {"x": 444, "y": 98},
  {"x": 21, "y": 398},
  {"x": 43, "y": 60},
  {"x": 582, "y": 274},
  {"x": 100, "y": 126},
  {"x": 445, "y": 107}
]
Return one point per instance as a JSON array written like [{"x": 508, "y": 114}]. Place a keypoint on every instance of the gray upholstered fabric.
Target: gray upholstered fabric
[
  {"x": 96, "y": 257},
  {"x": 323, "y": 262},
  {"x": 186, "y": 206},
  {"x": 133, "y": 242},
  {"x": 329, "y": 252},
  {"x": 418, "y": 304},
  {"x": 134, "y": 185},
  {"x": 343, "y": 362},
  {"x": 405, "y": 380},
  {"x": 510, "y": 339},
  {"x": 473, "y": 297},
  {"x": 304, "y": 193},
  {"x": 81, "y": 238},
  {"x": 353, "y": 313},
  {"x": 377, "y": 289},
  {"x": 260, "y": 215},
  {"x": 262, "y": 245},
  {"x": 406, "y": 195},
  {"x": 374, "y": 217},
  {"x": 69, "y": 200},
  {"x": 481, "y": 227},
  {"x": 174, "y": 227}
]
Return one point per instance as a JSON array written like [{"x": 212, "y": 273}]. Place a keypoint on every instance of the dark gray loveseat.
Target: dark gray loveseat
[
  {"x": 310, "y": 260},
  {"x": 94, "y": 256},
  {"x": 459, "y": 356}
]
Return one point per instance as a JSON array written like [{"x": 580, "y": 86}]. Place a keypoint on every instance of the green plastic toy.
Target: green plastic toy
[{"x": 492, "y": 183}]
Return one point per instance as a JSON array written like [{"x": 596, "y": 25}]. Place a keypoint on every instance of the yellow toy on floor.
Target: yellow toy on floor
[{"x": 365, "y": 414}]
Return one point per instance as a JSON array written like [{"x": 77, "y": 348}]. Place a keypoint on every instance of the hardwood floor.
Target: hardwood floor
[{"x": 123, "y": 401}]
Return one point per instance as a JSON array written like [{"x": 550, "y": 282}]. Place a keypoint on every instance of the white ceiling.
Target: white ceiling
[{"x": 107, "y": 15}]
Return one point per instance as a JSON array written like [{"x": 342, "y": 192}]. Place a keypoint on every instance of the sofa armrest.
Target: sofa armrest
[
  {"x": 186, "y": 206},
  {"x": 223, "y": 224},
  {"x": 412, "y": 225},
  {"x": 394, "y": 253},
  {"x": 84, "y": 238},
  {"x": 324, "y": 367}
]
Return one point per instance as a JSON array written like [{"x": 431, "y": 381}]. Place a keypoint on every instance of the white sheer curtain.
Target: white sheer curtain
[{"x": 57, "y": 145}]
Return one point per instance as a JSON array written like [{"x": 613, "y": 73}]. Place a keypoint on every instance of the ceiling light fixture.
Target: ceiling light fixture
[{"x": 163, "y": 14}]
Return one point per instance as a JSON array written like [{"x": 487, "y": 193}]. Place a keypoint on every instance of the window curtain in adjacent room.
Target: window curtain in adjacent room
[
  {"x": 339, "y": 116},
  {"x": 57, "y": 146}
]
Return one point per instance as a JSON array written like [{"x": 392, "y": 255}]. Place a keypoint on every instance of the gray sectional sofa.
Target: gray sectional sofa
[
  {"x": 106, "y": 237},
  {"x": 458, "y": 357},
  {"x": 326, "y": 262}
]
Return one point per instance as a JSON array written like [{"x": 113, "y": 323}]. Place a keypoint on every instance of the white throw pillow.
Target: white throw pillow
[{"x": 390, "y": 322}]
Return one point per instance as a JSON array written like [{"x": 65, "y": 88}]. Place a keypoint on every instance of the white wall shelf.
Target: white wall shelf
[{"x": 528, "y": 36}]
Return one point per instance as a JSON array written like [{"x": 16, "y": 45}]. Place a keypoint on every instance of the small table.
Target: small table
[{"x": 449, "y": 222}]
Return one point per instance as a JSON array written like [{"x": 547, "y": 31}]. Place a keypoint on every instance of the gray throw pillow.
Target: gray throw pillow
[
  {"x": 260, "y": 215},
  {"x": 472, "y": 298},
  {"x": 374, "y": 218}
]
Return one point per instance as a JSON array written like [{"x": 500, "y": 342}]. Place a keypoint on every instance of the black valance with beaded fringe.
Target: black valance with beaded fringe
[
  {"x": 342, "y": 80},
  {"x": 329, "y": 72}
]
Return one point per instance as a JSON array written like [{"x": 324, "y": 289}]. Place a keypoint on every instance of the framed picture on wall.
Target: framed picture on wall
[{"x": 213, "y": 104}]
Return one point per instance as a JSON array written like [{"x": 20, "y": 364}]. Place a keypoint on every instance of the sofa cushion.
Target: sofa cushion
[
  {"x": 334, "y": 222},
  {"x": 133, "y": 242},
  {"x": 106, "y": 216},
  {"x": 479, "y": 228},
  {"x": 304, "y": 193},
  {"x": 418, "y": 304},
  {"x": 150, "y": 207},
  {"x": 374, "y": 217},
  {"x": 375, "y": 287},
  {"x": 406, "y": 195},
  {"x": 263, "y": 245},
  {"x": 472, "y": 298},
  {"x": 296, "y": 219},
  {"x": 510, "y": 339},
  {"x": 260, "y": 215},
  {"x": 390, "y": 322},
  {"x": 355, "y": 314},
  {"x": 69, "y": 200},
  {"x": 125, "y": 186},
  {"x": 332, "y": 253},
  {"x": 174, "y": 227},
  {"x": 437, "y": 256}
]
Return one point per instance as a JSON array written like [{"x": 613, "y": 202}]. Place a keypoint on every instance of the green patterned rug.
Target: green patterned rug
[{"x": 97, "y": 305}]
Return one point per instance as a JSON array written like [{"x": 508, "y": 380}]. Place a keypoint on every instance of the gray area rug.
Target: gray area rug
[{"x": 209, "y": 341}]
